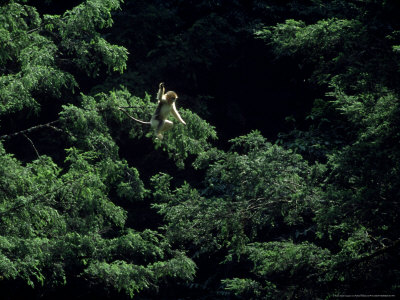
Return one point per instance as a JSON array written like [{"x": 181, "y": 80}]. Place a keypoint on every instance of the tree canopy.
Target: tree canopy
[{"x": 284, "y": 184}]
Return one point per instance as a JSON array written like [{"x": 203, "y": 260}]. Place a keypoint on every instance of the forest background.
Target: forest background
[{"x": 284, "y": 184}]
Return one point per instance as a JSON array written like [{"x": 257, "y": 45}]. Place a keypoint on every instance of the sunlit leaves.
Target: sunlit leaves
[
  {"x": 178, "y": 267},
  {"x": 53, "y": 224},
  {"x": 113, "y": 56},
  {"x": 326, "y": 45},
  {"x": 272, "y": 257},
  {"x": 192, "y": 139},
  {"x": 275, "y": 264},
  {"x": 132, "y": 278},
  {"x": 354, "y": 127},
  {"x": 120, "y": 275},
  {"x": 40, "y": 58},
  {"x": 243, "y": 193},
  {"x": 86, "y": 19},
  {"x": 64, "y": 220},
  {"x": 245, "y": 287},
  {"x": 179, "y": 142},
  {"x": 90, "y": 15}
]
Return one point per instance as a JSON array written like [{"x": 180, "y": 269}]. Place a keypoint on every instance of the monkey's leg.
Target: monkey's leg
[
  {"x": 162, "y": 127},
  {"x": 156, "y": 125},
  {"x": 166, "y": 126}
]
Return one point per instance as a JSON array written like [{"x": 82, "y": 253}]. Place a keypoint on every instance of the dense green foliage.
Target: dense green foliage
[{"x": 292, "y": 192}]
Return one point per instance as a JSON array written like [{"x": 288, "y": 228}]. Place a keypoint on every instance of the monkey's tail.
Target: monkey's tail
[{"x": 136, "y": 120}]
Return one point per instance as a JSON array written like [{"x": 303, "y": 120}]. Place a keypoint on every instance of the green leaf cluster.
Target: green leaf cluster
[{"x": 91, "y": 202}]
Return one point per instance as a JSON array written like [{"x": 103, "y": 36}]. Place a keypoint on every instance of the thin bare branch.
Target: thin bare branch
[
  {"x": 8, "y": 136},
  {"x": 33, "y": 145}
]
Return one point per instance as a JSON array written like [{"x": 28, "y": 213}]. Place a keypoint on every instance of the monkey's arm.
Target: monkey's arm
[
  {"x": 176, "y": 114},
  {"x": 161, "y": 91}
]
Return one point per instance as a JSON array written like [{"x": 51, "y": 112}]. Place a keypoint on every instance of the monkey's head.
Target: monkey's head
[{"x": 171, "y": 97}]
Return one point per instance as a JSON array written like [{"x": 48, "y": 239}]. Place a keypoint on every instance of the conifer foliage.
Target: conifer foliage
[{"x": 291, "y": 193}]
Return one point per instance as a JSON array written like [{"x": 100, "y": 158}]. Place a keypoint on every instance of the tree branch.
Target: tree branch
[
  {"x": 381, "y": 251},
  {"x": 346, "y": 265},
  {"x": 33, "y": 145},
  {"x": 352, "y": 263},
  {"x": 49, "y": 125}
]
